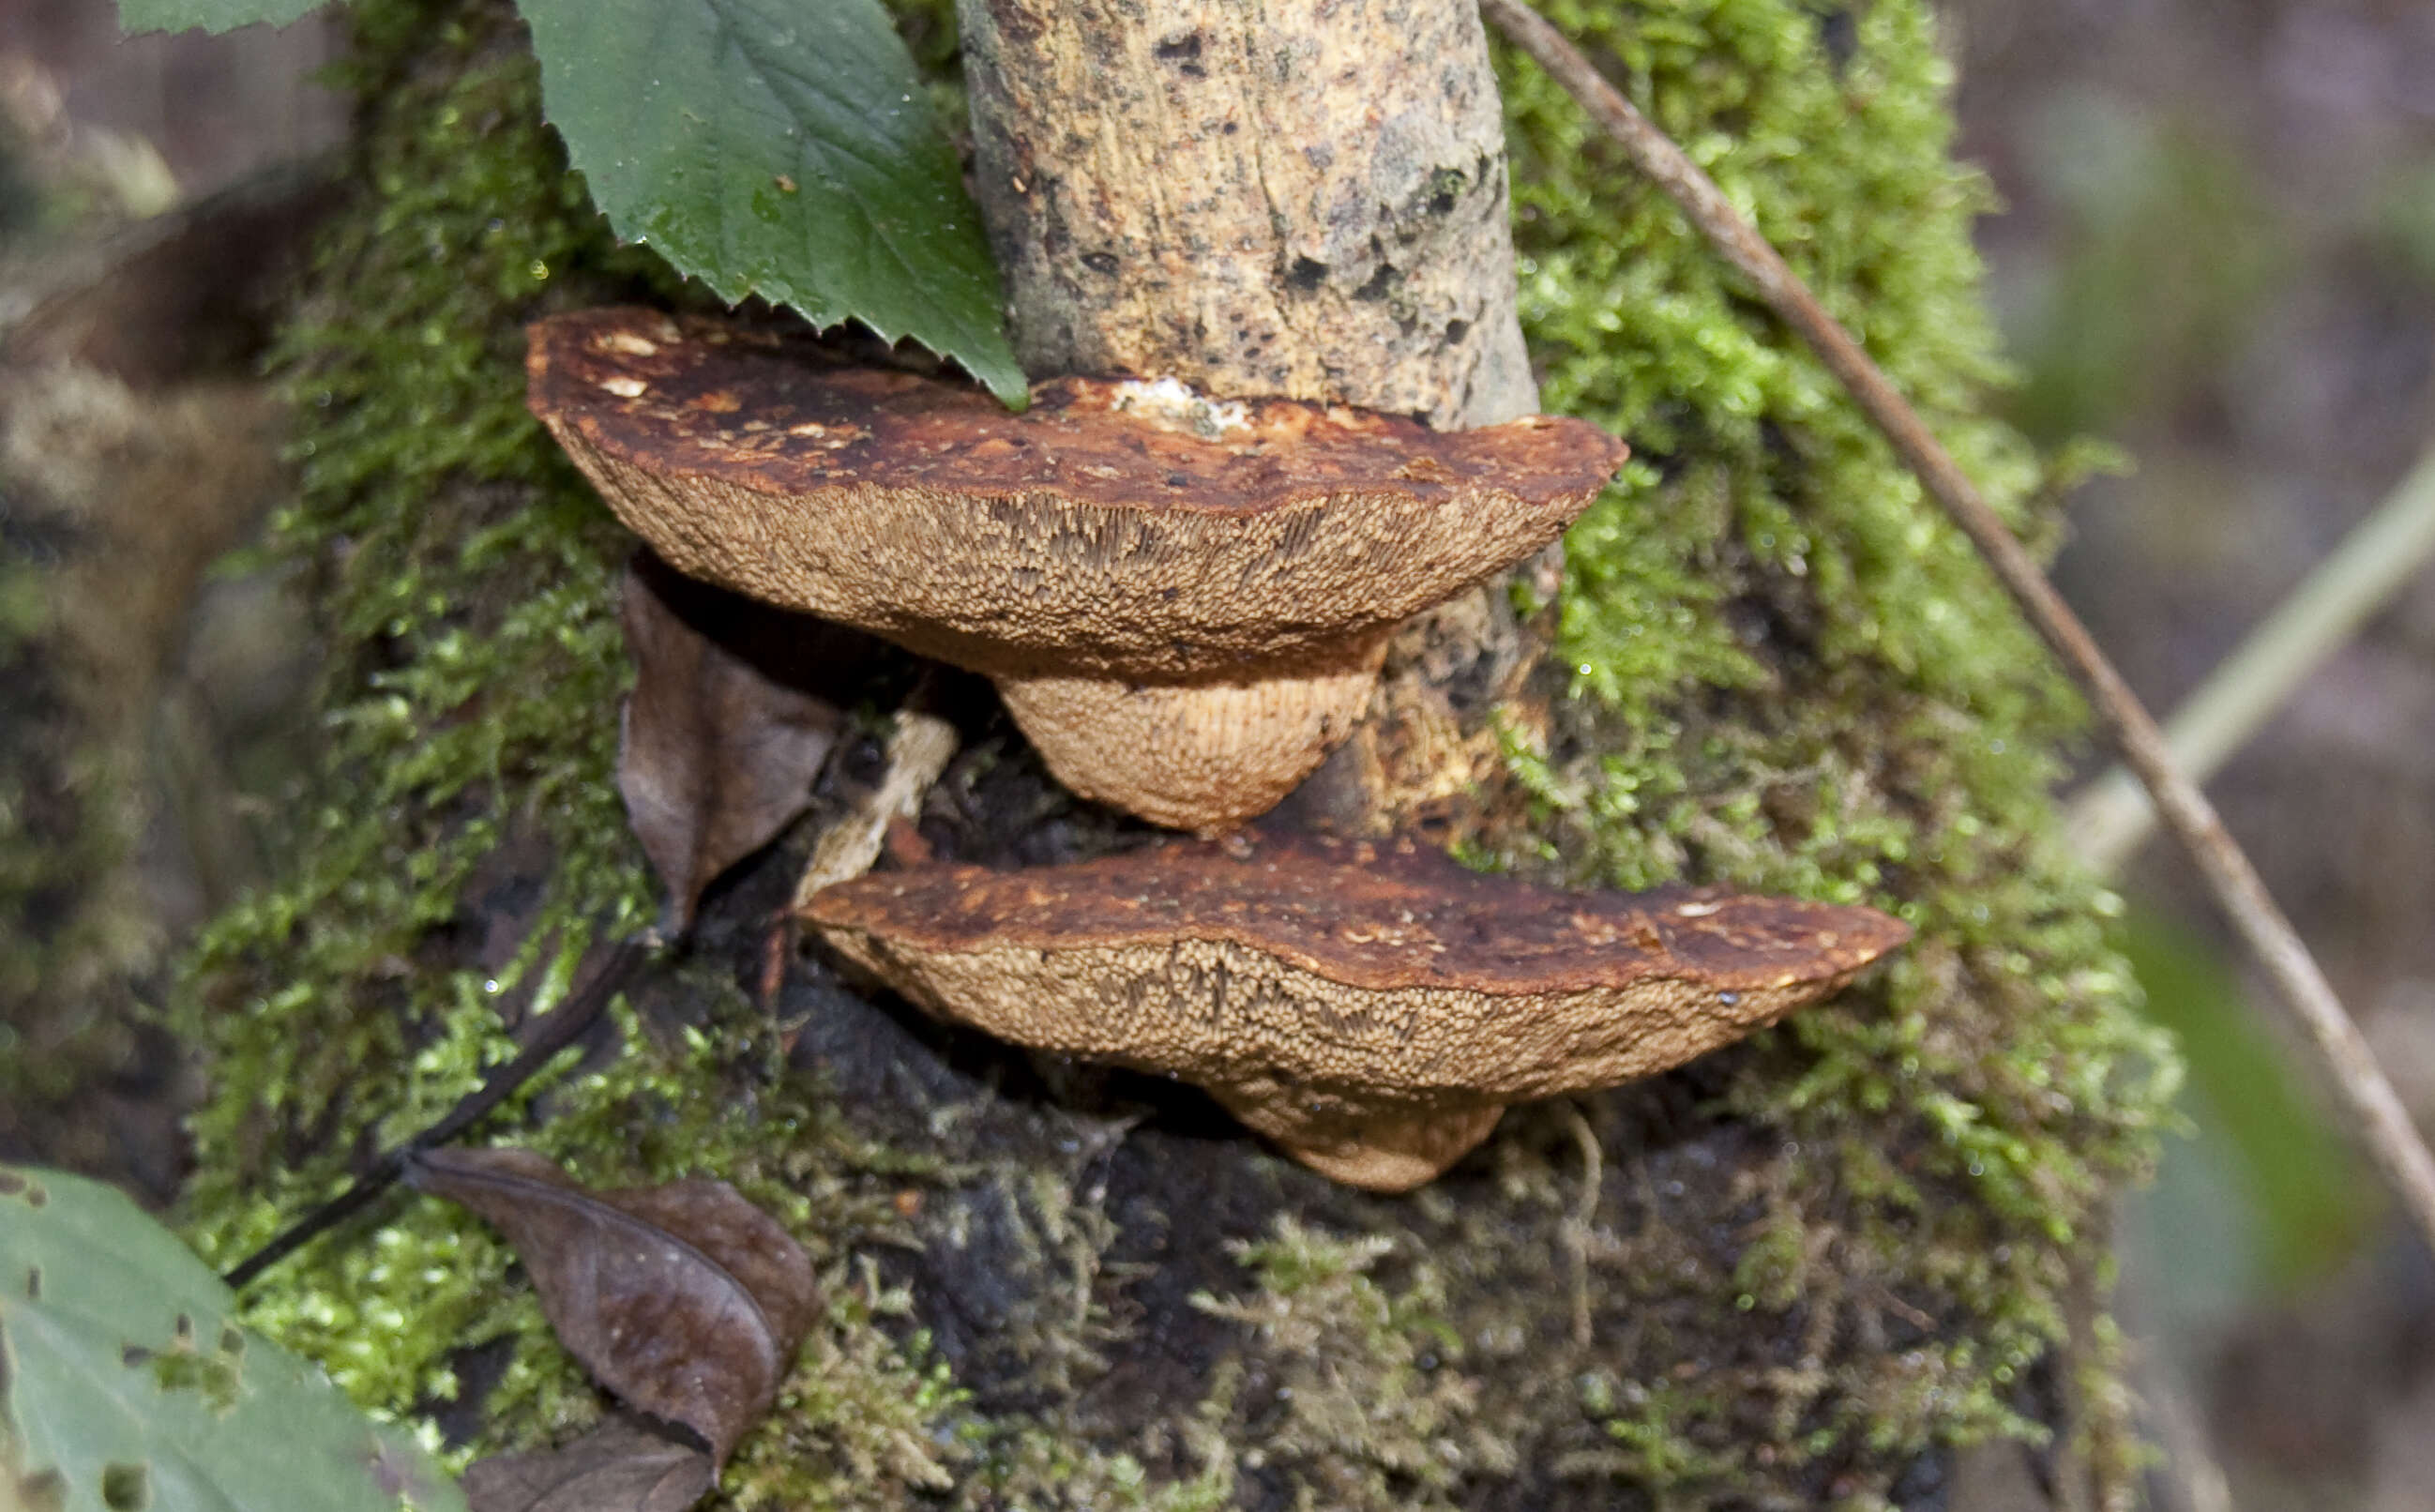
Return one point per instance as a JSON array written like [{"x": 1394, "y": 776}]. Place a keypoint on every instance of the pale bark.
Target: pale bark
[{"x": 1298, "y": 199}]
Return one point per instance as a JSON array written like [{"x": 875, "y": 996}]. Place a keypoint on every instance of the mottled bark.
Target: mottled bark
[{"x": 1298, "y": 199}]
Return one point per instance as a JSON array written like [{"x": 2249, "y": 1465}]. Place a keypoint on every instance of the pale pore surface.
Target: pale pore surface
[
  {"x": 1227, "y": 571},
  {"x": 1367, "y": 1005},
  {"x": 1377, "y": 1089},
  {"x": 1216, "y": 1012},
  {"x": 1356, "y": 1145},
  {"x": 1197, "y": 756},
  {"x": 1192, "y": 675}
]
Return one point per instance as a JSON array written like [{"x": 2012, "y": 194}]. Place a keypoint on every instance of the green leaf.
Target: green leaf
[
  {"x": 124, "y": 1383},
  {"x": 778, "y": 147},
  {"x": 211, "y": 15},
  {"x": 2309, "y": 1194}
]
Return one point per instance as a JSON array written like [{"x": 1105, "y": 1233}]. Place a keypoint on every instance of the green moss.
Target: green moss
[
  {"x": 1371, "y": 1411},
  {"x": 465, "y": 578},
  {"x": 1892, "y": 736},
  {"x": 1853, "y": 1245},
  {"x": 1652, "y": 1425}
]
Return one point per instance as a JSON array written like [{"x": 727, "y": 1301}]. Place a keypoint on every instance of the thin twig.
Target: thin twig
[
  {"x": 563, "y": 1026},
  {"x": 1577, "y": 1223},
  {"x": 2111, "y": 819},
  {"x": 2375, "y": 1112}
]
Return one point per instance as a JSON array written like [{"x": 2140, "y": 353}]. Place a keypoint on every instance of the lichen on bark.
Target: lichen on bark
[
  {"x": 1813, "y": 1262},
  {"x": 1310, "y": 202}
]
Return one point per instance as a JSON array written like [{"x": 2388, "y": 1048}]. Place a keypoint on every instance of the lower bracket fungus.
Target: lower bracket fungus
[
  {"x": 1370, "y": 1007},
  {"x": 1184, "y": 602}
]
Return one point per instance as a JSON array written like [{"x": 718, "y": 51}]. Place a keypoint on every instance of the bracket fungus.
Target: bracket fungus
[
  {"x": 1370, "y": 1007},
  {"x": 1184, "y": 603}
]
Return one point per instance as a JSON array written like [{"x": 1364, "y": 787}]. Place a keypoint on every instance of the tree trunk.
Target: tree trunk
[
  {"x": 1307, "y": 200},
  {"x": 1302, "y": 199}
]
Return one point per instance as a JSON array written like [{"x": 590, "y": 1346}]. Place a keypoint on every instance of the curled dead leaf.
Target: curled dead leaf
[
  {"x": 685, "y": 1299},
  {"x": 735, "y": 707},
  {"x": 622, "y": 1466}
]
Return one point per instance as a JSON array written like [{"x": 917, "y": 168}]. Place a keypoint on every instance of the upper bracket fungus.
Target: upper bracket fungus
[
  {"x": 1184, "y": 602},
  {"x": 1370, "y": 1007}
]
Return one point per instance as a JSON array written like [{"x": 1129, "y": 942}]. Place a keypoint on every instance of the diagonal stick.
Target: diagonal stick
[
  {"x": 559, "y": 1028},
  {"x": 2375, "y": 1112}
]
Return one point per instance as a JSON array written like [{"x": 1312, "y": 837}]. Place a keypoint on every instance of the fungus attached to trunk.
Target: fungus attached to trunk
[
  {"x": 1184, "y": 602},
  {"x": 1370, "y": 1007}
]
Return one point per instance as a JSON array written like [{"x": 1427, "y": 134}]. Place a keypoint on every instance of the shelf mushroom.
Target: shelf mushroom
[
  {"x": 1184, "y": 603},
  {"x": 1370, "y": 1007}
]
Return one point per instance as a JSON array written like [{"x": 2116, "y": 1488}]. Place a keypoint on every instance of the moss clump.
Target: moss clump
[
  {"x": 1371, "y": 1411},
  {"x": 1872, "y": 722},
  {"x": 1803, "y": 1266},
  {"x": 465, "y": 578}
]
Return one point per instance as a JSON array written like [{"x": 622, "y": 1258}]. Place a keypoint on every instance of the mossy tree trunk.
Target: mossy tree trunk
[{"x": 1796, "y": 1274}]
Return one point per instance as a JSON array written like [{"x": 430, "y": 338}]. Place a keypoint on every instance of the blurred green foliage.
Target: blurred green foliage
[
  {"x": 2167, "y": 250},
  {"x": 2309, "y": 1197}
]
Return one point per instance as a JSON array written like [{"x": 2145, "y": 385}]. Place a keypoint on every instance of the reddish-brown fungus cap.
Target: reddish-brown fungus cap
[
  {"x": 1119, "y": 529},
  {"x": 1340, "y": 995}
]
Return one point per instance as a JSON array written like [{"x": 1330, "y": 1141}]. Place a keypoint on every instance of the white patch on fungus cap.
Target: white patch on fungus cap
[{"x": 1176, "y": 405}]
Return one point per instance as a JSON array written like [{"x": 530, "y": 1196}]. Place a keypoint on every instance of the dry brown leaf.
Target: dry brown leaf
[
  {"x": 685, "y": 1299},
  {"x": 734, "y": 707},
  {"x": 622, "y": 1466}
]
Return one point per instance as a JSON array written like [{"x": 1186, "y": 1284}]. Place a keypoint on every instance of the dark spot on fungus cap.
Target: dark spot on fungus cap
[{"x": 1368, "y": 1005}]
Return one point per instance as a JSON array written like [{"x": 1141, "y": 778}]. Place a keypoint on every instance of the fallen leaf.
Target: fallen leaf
[
  {"x": 735, "y": 707},
  {"x": 685, "y": 1299},
  {"x": 622, "y": 1466}
]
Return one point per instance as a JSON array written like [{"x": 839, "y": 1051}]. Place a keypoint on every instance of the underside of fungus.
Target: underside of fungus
[
  {"x": 1184, "y": 602},
  {"x": 1370, "y": 1007}
]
